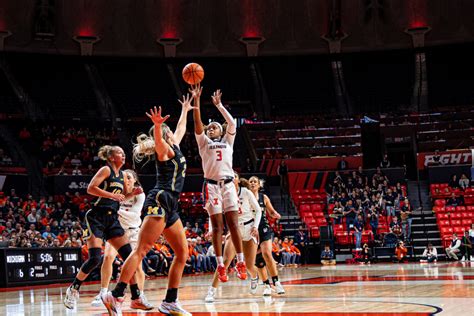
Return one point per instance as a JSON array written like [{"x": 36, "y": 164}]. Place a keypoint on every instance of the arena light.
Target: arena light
[
  {"x": 3, "y": 35},
  {"x": 418, "y": 35},
  {"x": 87, "y": 43},
  {"x": 169, "y": 45},
  {"x": 252, "y": 43}
]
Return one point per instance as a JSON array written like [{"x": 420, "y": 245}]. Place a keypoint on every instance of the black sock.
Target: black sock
[
  {"x": 76, "y": 284},
  {"x": 275, "y": 279},
  {"x": 135, "y": 291},
  {"x": 267, "y": 282},
  {"x": 171, "y": 295},
  {"x": 119, "y": 290}
]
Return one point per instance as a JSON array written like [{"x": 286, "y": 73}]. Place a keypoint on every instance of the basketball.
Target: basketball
[{"x": 193, "y": 73}]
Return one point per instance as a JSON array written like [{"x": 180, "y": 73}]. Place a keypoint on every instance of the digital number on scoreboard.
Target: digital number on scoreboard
[{"x": 42, "y": 265}]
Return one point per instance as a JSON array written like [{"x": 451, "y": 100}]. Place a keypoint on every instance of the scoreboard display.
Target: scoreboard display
[{"x": 27, "y": 266}]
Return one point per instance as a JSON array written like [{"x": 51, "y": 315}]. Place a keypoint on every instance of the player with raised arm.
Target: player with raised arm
[
  {"x": 216, "y": 144},
  {"x": 161, "y": 209}
]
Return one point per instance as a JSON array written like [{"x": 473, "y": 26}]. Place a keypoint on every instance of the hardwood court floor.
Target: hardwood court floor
[{"x": 380, "y": 289}]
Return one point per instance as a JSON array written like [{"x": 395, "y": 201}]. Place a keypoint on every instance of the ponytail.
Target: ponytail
[{"x": 105, "y": 152}]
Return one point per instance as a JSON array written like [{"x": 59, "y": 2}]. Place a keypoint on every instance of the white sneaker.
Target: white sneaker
[
  {"x": 267, "y": 290},
  {"x": 211, "y": 295},
  {"x": 279, "y": 288},
  {"x": 71, "y": 298},
  {"x": 463, "y": 259},
  {"x": 113, "y": 304},
  {"x": 174, "y": 308},
  {"x": 97, "y": 302},
  {"x": 141, "y": 303},
  {"x": 253, "y": 285}
]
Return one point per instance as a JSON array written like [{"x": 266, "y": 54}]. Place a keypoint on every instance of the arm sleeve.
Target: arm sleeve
[
  {"x": 258, "y": 210},
  {"x": 231, "y": 126}
]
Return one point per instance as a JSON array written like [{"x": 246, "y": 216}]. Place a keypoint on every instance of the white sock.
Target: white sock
[
  {"x": 240, "y": 257},
  {"x": 104, "y": 290},
  {"x": 220, "y": 260}
]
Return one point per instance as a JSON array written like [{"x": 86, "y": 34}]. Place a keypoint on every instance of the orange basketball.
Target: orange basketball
[{"x": 193, "y": 73}]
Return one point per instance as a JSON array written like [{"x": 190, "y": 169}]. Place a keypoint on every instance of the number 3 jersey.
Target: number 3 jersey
[{"x": 216, "y": 156}]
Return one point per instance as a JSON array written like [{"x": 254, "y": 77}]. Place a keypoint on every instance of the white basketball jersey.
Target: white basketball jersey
[
  {"x": 249, "y": 206},
  {"x": 130, "y": 211},
  {"x": 216, "y": 156}
]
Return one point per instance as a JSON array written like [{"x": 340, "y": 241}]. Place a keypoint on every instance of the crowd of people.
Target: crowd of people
[{"x": 360, "y": 201}]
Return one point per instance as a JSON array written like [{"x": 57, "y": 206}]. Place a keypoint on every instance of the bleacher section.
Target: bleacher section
[{"x": 452, "y": 219}]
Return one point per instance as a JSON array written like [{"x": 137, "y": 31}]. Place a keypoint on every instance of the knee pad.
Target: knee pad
[
  {"x": 260, "y": 261},
  {"x": 93, "y": 261},
  {"x": 125, "y": 251}
]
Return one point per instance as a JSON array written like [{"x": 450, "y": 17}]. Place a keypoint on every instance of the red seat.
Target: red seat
[
  {"x": 460, "y": 208},
  {"x": 317, "y": 207},
  {"x": 456, "y": 215},
  {"x": 321, "y": 221},
  {"x": 310, "y": 221},
  {"x": 470, "y": 208},
  {"x": 466, "y": 222},
  {"x": 318, "y": 214},
  {"x": 444, "y": 223},
  {"x": 305, "y": 208},
  {"x": 440, "y": 202},
  {"x": 315, "y": 233},
  {"x": 446, "y": 231},
  {"x": 455, "y": 222},
  {"x": 459, "y": 230},
  {"x": 441, "y": 216},
  {"x": 342, "y": 238},
  {"x": 338, "y": 227},
  {"x": 450, "y": 209}
]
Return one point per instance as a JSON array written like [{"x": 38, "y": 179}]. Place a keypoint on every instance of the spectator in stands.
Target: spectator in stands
[
  {"x": 205, "y": 262},
  {"x": 338, "y": 212},
  {"x": 211, "y": 254},
  {"x": 385, "y": 163},
  {"x": 436, "y": 159},
  {"x": 395, "y": 227},
  {"x": 296, "y": 254},
  {"x": 283, "y": 173},
  {"x": 34, "y": 217},
  {"x": 406, "y": 218},
  {"x": 464, "y": 182},
  {"x": 454, "y": 183},
  {"x": 47, "y": 232},
  {"x": 453, "y": 200},
  {"x": 76, "y": 171},
  {"x": 301, "y": 240},
  {"x": 327, "y": 256},
  {"x": 342, "y": 164},
  {"x": 430, "y": 254},
  {"x": 196, "y": 229},
  {"x": 373, "y": 218},
  {"x": 471, "y": 233},
  {"x": 358, "y": 229},
  {"x": 25, "y": 134},
  {"x": 350, "y": 214},
  {"x": 466, "y": 247},
  {"x": 389, "y": 200},
  {"x": 286, "y": 253},
  {"x": 453, "y": 250}
]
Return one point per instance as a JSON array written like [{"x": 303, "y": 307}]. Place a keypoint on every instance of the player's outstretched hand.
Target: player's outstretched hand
[
  {"x": 155, "y": 116},
  {"x": 195, "y": 90},
  {"x": 186, "y": 102},
  {"x": 216, "y": 97}
]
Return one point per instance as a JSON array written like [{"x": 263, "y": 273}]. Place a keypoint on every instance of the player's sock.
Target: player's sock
[
  {"x": 171, "y": 295},
  {"x": 220, "y": 260},
  {"x": 119, "y": 290},
  {"x": 135, "y": 291},
  {"x": 267, "y": 282},
  {"x": 274, "y": 279},
  {"x": 240, "y": 257},
  {"x": 76, "y": 284}
]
